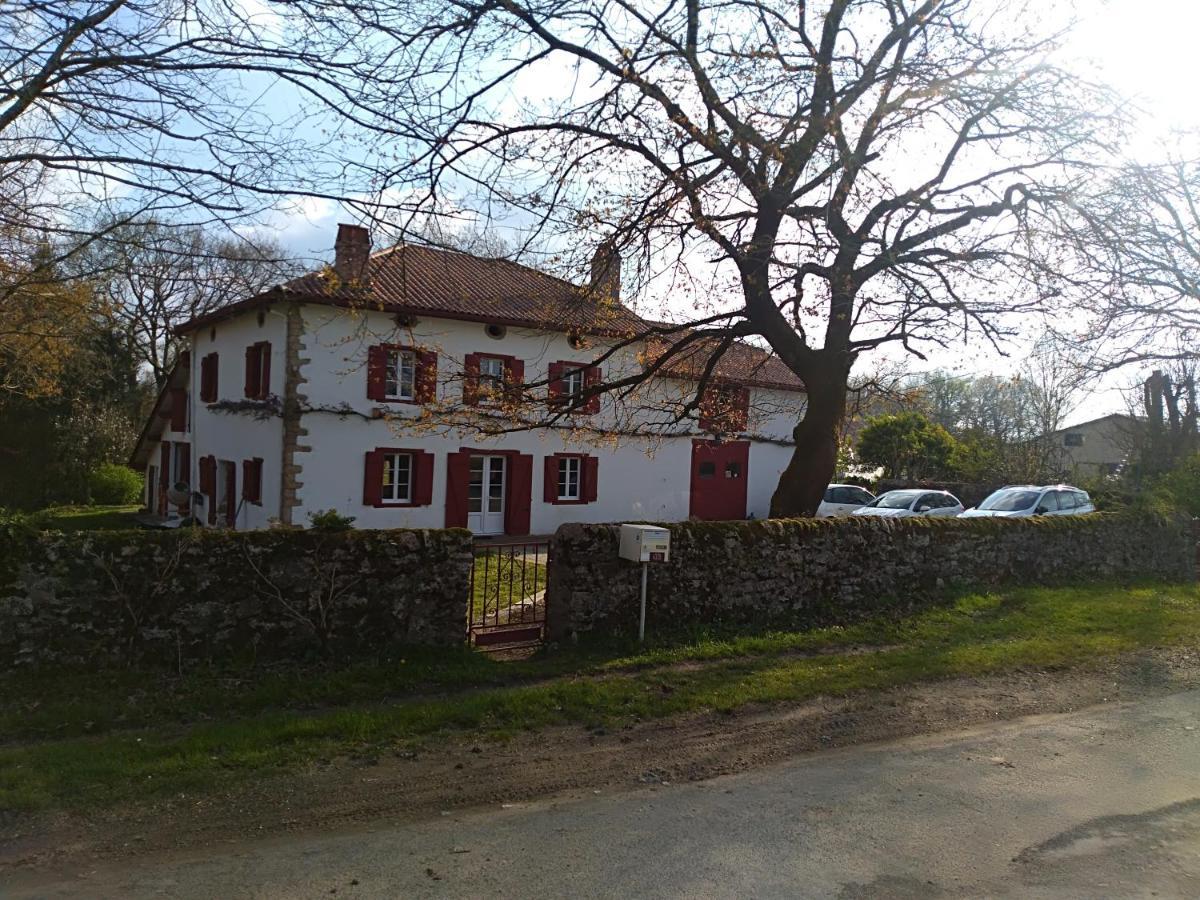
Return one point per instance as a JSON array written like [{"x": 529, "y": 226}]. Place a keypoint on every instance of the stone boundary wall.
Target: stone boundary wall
[
  {"x": 166, "y": 597},
  {"x": 809, "y": 572}
]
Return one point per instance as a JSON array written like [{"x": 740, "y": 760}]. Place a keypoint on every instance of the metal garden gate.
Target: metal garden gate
[{"x": 507, "y": 604}]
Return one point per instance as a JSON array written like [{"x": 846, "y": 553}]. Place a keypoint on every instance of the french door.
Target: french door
[{"x": 485, "y": 495}]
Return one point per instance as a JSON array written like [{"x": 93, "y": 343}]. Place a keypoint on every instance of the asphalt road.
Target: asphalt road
[{"x": 1100, "y": 803}]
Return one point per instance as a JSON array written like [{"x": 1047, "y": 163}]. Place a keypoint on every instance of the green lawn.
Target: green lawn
[
  {"x": 502, "y": 580},
  {"x": 87, "y": 518},
  {"x": 78, "y": 739}
]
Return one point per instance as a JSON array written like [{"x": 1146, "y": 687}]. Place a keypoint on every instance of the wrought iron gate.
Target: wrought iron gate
[{"x": 507, "y": 604}]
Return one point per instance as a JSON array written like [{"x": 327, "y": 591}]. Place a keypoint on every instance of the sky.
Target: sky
[{"x": 1144, "y": 48}]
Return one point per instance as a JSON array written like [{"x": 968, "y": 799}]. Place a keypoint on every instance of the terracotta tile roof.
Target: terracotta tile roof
[
  {"x": 423, "y": 280},
  {"x": 416, "y": 279},
  {"x": 741, "y": 363}
]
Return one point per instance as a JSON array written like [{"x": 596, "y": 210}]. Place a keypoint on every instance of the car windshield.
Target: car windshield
[
  {"x": 893, "y": 500},
  {"x": 1010, "y": 501}
]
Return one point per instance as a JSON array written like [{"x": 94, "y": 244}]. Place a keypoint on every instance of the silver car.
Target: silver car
[
  {"x": 1034, "y": 500},
  {"x": 912, "y": 502}
]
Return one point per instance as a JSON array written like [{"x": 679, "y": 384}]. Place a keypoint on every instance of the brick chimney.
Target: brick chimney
[
  {"x": 606, "y": 273},
  {"x": 351, "y": 252}
]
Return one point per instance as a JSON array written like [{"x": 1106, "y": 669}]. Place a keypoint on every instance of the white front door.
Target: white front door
[{"x": 485, "y": 495}]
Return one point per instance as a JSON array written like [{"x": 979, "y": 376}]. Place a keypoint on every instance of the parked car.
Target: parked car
[
  {"x": 1034, "y": 500},
  {"x": 912, "y": 502},
  {"x": 843, "y": 499}
]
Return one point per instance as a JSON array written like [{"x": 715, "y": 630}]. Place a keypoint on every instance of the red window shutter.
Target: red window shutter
[
  {"x": 470, "y": 382},
  {"x": 253, "y": 371},
  {"x": 591, "y": 378},
  {"x": 252, "y": 480},
  {"x": 208, "y": 485},
  {"x": 231, "y": 504},
  {"x": 185, "y": 473},
  {"x": 231, "y": 493},
  {"x": 178, "y": 409},
  {"x": 458, "y": 474},
  {"x": 373, "y": 479},
  {"x": 591, "y": 471},
  {"x": 264, "y": 368},
  {"x": 208, "y": 380},
  {"x": 554, "y": 387},
  {"x": 741, "y": 417},
  {"x": 514, "y": 370},
  {"x": 426, "y": 387},
  {"x": 376, "y": 372},
  {"x": 423, "y": 484},
  {"x": 520, "y": 494},
  {"x": 550, "y": 487},
  {"x": 164, "y": 477}
]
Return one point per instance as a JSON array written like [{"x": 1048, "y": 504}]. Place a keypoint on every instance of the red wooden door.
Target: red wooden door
[{"x": 719, "y": 473}]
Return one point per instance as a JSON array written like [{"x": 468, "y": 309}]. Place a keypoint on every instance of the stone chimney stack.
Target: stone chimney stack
[
  {"x": 351, "y": 252},
  {"x": 606, "y": 273}
]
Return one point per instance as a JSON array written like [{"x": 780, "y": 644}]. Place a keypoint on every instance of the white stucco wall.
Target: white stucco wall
[
  {"x": 638, "y": 478},
  {"x": 235, "y": 437}
]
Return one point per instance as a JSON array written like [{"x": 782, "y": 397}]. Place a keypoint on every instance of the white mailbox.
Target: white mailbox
[{"x": 645, "y": 543}]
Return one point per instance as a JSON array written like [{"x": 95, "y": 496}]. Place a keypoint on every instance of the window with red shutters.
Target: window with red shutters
[
  {"x": 567, "y": 380},
  {"x": 487, "y": 377},
  {"x": 208, "y": 378},
  {"x": 400, "y": 374},
  {"x": 724, "y": 409},
  {"x": 252, "y": 480},
  {"x": 570, "y": 478},
  {"x": 398, "y": 476},
  {"x": 258, "y": 371}
]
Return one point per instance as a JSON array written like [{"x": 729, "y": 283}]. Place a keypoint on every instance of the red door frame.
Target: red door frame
[
  {"x": 518, "y": 488},
  {"x": 719, "y": 498}
]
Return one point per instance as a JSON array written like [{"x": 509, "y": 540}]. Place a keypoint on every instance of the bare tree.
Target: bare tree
[
  {"x": 151, "y": 277},
  {"x": 852, "y": 174},
  {"x": 1141, "y": 223}
]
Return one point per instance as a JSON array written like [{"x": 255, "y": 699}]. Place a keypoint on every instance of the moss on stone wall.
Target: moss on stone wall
[
  {"x": 169, "y": 596},
  {"x": 805, "y": 572}
]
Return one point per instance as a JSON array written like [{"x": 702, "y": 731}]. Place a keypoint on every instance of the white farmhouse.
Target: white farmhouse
[{"x": 419, "y": 387}]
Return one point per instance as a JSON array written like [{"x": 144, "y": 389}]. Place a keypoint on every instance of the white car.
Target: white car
[
  {"x": 843, "y": 499},
  {"x": 1034, "y": 500},
  {"x": 912, "y": 502}
]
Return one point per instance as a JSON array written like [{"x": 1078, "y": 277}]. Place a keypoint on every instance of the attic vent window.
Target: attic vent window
[{"x": 495, "y": 332}]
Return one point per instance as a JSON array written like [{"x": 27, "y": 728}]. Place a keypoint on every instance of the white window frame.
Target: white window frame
[
  {"x": 573, "y": 381},
  {"x": 568, "y": 466},
  {"x": 390, "y": 480},
  {"x": 491, "y": 384},
  {"x": 394, "y": 387}
]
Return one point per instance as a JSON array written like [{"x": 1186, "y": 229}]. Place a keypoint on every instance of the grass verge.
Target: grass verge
[
  {"x": 87, "y": 518},
  {"x": 254, "y": 731}
]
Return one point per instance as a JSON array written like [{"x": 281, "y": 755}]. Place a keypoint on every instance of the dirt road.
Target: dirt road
[{"x": 451, "y": 784}]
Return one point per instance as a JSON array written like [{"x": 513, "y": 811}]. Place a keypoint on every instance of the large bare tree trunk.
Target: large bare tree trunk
[{"x": 814, "y": 461}]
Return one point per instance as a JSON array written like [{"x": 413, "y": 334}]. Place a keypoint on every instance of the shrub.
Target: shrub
[
  {"x": 114, "y": 485},
  {"x": 1181, "y": 486},
  {"x": 330, "y": 520}
]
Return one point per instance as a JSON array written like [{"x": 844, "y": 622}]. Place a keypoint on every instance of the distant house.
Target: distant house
[
  {"x": 1097, "y": 447},
  {"x": 366, "y": 392}
]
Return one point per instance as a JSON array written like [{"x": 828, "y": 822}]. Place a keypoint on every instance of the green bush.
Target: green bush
[
  {"x": 1181, "y": 486},
  {"x": 114, "y": 485},
  {"x": 330, "y": 520}
]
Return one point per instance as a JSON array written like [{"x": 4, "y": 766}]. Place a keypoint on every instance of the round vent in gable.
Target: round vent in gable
[
  {"x": 578, "y": 342},
  {"x": 495, "y": 332}
]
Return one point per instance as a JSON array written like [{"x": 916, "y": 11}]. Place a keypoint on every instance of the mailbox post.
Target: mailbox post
[{"x": 644, "y": 544}]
